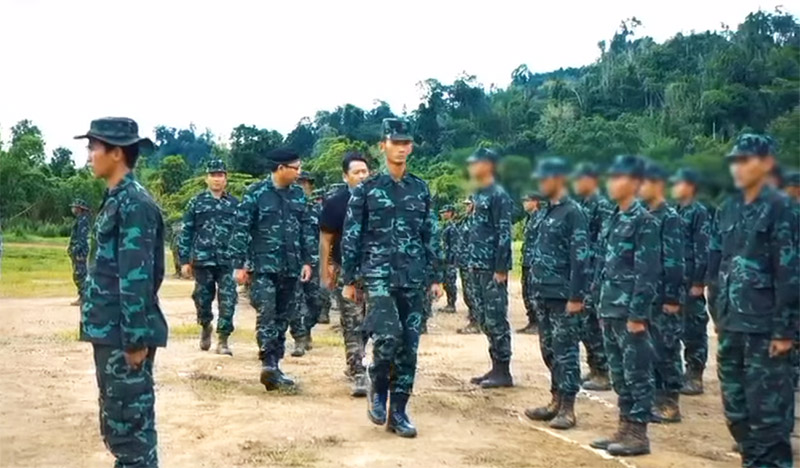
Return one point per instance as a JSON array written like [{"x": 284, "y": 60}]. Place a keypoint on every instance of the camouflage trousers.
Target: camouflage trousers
[
  {"x": 467, "y": 293},
  {"x": 527, "y": 295},
  {"x": 211, "y": 281},
  {"x": 757, "y": 397},
  {"x": 450, "y": 286},
  {"x": 665, "y": 330},
  {"x": 630, "y": 362},
  {"x": 309, "y": 305},
  {"x": 427, "y": 305},
  {"x": 394, "y": 318},
  {"x": 127, "y": 414},
  {"x": 491, "y": 312},
  {"x": 592, "y": 338},
  {"x": 176, "y": 260},
  {"x": 558, "y": 340},
  {"x": 695, "y": 334},
  {"x": 351, "y": 318},
  {"x": 272, "y": 296},
  {"x": 79, "y": 272}
]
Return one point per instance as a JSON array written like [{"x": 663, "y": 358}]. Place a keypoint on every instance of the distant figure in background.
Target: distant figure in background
[
  {"x": 79, "y": 246},
  {"x": 532, "y": 203},
  {"x": 792, "y": 186},
  {"x": 173, "y": 234},
  {"x": 462, "y": 254},
  {"x": 450, "y": 249}
]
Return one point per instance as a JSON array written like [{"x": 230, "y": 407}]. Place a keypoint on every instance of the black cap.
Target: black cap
[
  {"x": 116, "y": 131},
  {"x": 282, "y": 156},
  {"x": 396, "y": 130}
]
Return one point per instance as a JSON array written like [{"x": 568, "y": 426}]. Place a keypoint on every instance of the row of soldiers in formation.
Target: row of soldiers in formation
[{"x": 629, "y": 273}]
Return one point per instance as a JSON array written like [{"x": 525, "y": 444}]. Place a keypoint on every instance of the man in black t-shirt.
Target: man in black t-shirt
[{"x": 331, "y": 223}]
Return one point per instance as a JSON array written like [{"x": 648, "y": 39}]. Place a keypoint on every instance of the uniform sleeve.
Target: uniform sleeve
[
  {"x": 714, "y": 250},
  {"x": 786, "y": 277},
  {"x": 430, "y": 239},
  {"x": 672, "y": 258},
  {"x": 186, "y": 236},
  {"x": 700, "y": 231},
  {"x": 501, "y": 215},
  {"x": 307, "y": 234},
  {"x": 579, "y": 255},
  {"x": 82, "y": 243},
  {"x": 139, "y": 227},
  {"x": 246, "y": 216},
  {"x": 351, "y": 235},
  {"x": 647, "y": 269}
]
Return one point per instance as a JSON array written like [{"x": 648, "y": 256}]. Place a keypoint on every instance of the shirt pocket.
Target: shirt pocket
[
  {"x": 414, "y": 214},
  {"x": 380, "y": 214},
  {"x": 621, "y": 248}
]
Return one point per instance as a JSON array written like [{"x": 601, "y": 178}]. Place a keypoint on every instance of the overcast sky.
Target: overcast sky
[{"x": 270, "y": 63}]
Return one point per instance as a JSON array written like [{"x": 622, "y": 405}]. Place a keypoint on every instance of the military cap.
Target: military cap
[
  {"x": 654, "y": 171},
  {"x": 792, "y": 179},
  {"x": 483, "y": 154},
  {"x": 551, "y": 167},
  {"x": 216, "y": 165},
  {"x": 283, "y": 156},
  {"x": 304, "y": 175},
  {"x": 586, "y": 169},
  {"x": 627, "y": 164},
  {"x": 687, "y": 175},
  {"x": 447, "y": 208},
  {"x": 396, "y": 130},
  {"x": 533, "y": 196},
  {"x": 79, "y": 203},
  {"x": 751, "y": 144},
  {"x": 318, "y": 193},
  {"x": 116, "y": 131}
]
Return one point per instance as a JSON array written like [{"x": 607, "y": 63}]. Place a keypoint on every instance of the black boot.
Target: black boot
[
  {"x": 376, "y": 400},
  {"x": 565, "y": 419},
  {"x": 693, "y": 382},
  {"x": 324, "y": 317},
  {"x": 205, "y": 337},
  {"x": 399, "y": 423},
  {"x": 603, "y": 442},
  {"x": 480, "y": 378},
  {"x": 300, "y": 346},
  {"x": 634, "y": 442},
  {"x": 222, "y": 346},
  {"x": 272, "y": 377},
  {"x": 545, "y": 413},
  {"x": 667, "y": 409},
  {"x": 499, "y": 376},
  {"x": 597, "y": 381}
]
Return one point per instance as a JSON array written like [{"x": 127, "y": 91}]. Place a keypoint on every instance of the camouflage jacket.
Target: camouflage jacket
[
  {"x": 79, "y": 238},
  {"x": 561, "y": 253},
  {"x": 671, "y": 286},
  {"x": 314, "y": 210},
  {"x": 208, "y": 225},
  {"x": 450, "y": 243},
  {"x": 532, "y": 223},
  {"x": 630, "y": 270},
  {"x": 758, "y": 269},
  {"x": 463, "y": 226},
  {"x": 273, "y": 230},
  {"x": 597, "y": 209},
  {"x": 488, "y": 245},
  {"x": 120, "y": 307},
  {"x": 390, "y": 232},
  {"x": 696, "y": 225}
]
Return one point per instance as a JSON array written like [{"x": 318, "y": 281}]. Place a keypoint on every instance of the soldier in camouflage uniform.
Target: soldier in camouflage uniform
[
  {"x": 449, "y": 247},
  {"x": 792, "y": 189},
  {"x": 531, "y": 202},
  {"x": 274, "y": 230},
  {"x": 204, "y": 251},
  {"x": 488, "y": 251},
  {"x": 120, "y": 314},
  {"x": 173, "y": 231},
  {"x": 324, "y": 294},
  {"x": 757, "y": 310},
  {"x": 598, "y": 209},
  {"x": 462, "y": 255},
  {"x": 309, "y": 301},
  {"x": 666, "y": 321},
  {"x": 391, "y": 243},
  {"x": 79, "y": 245},
  {"x": 559, "y": 284},
  {"x": 792, "y": 186},
  {"x": 628, "y": 279}
]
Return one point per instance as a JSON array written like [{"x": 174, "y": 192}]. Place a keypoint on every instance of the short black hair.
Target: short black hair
[
  {"x": 130, "y": 152},
  {"x": 350, "y": 157}
]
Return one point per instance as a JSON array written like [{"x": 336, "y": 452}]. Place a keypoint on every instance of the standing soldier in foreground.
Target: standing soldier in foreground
[
  {"x": 274, "y": 232},
  {"x": 391, "y": 243},
  {"x": 598, "y": 210},
  {"x": 531, "y": 204},
  {"x": 629, "y": 277},
  {"x": 559, "y": 283},
  {"x": 757, "y": 306},
  {"x": 696, "y": 225},
  {"x": 488, "y": 250},
  {"x": 204, "y": 250},
  {"x": 666, "y": 321},
  {"x": 79, "y": 246},
  {"x": 120, "y": 314},
  {"x": 450, "y": 248},
  {"x": 462, "y": 256}
]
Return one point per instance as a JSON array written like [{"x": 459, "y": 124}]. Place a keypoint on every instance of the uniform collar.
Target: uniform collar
[
  {"x": 661, "y": 207},
  {"x": 388, "y": 179},
  {"x": 127, "y": 180}
]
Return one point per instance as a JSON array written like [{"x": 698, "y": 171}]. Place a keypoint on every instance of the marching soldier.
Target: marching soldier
[
  {"x": 462, "y": 255},
  {"x": 531, "y": 203},
  {"x": 450, "y": 248},
  {"x": 79, "y": 246}
]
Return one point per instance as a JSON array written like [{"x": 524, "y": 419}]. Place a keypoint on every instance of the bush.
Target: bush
[{"x": 24, "y": 228}]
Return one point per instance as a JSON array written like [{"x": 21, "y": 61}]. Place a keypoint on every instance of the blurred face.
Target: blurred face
[
  {"x": 397, "y": 152},
  {"x": 217, "y": 181},
  {"x": 308, "y": 187},
  {"x": 793, "y": 192},
  {"x": 550, "y": 186},
  {"x": 287, "y": 173},
  {"x": 622, "y": 187},
  {"x": 530, "y": 205},
  {"x": 651, "y": 190},
  {"x": 682, "y": 190},
  {"x": 584, "y": 186},
  {"x": 447, "y": 215},
  {"x": 749, "y": 171},
  {"x": 103, "y": 162},
  {"x": 470, "y": 208},
  {"x": 480, "y": 170},
  {"x": 357, "y": 171}
]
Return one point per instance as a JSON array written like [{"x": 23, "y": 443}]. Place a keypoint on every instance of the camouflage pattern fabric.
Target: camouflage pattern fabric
[
  {"x": 450, "y": 246},
  {"x": 309, "y": 294},
  {"x": 216, "y": 281},
  {"x": 491, "y": 312},
  {"x": 527, "y": 296},
  {"x": 208, "y": 226},
  {"x": 463, "y": 271},
  {"x": 468, "y": 293},
  {"x": 630, "y": 363},
  {"x": 529, "y": 239},
  {"x": 173, "y": 233},
  {"x": 272, "y": 296},
  {"x": 79, "y": 250},
  {"x": 558, "y": 342},
  {"x": 351, "y": 317}
]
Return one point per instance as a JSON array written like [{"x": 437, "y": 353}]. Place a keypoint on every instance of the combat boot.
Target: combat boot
[
  {"x": 693, "y": 382},
  {"x": 272, "y": 377},
  {"x": 597, "y": 380},
  {"x": 634, "y": 441},
  {"x": 565, "y": 419},
  {"x": 205, "y": 337},
  {"x": 480, "y": 378},
  {"x": 470, "y": 329},
  {"x": 300, "y": 346},
  {"x": 499, "y": 376},
  {"x": 667, "y": 409},
  {"x": 324, "y": 317},
  {"x": 545, "y": 413},
  {"x": 222, "y": 346},
  {"x": 360, "y": 385},
  {"x": 603, "y": 442},
  {"x": 376, "y": 401},
  {"x": 399, "y": 423}
]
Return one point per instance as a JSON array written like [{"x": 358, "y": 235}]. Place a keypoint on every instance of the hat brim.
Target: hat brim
[
  {"x": 144, "y": 143},
  {"x": 547, "y": 175},
  {"x": 578, "y": 175},
  {"x": 619, "y": 172},
  {"x": 400, "y": 137}
]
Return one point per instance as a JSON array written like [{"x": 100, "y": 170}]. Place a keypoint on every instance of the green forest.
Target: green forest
[{"x": 680, "y": 102}]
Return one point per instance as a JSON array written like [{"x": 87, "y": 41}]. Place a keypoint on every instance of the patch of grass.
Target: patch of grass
[
  {"x": 326, "y": 340},
  {"x": 290, "y": 454},
  {"x": 69, "y": 335},
  {"x": 192, "y": 331},
  {"x": 36, "y": 271},
  {"x": 15, "y": 237},
  {"x": 214, "y": 383}
]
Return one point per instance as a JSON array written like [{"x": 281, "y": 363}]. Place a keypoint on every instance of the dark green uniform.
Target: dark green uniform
[
  {"x": 173, "y": 233},
  {"x": 462, "y": 259},
  {"x": 309, "y": 299},
  {"x": 450, "y": 246},
  {"x": 204, "y": 242},
  {"x": 532, "y": 223},
  {"x": 79, "y": 248}
]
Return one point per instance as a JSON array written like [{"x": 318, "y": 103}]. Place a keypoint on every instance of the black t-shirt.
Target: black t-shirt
[{"x": 331, "y": 220}]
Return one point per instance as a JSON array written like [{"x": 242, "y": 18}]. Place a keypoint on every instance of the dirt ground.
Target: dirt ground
[{"x": 212, "y": 412}]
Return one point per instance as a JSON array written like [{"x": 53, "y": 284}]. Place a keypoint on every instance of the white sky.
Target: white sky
[{"x": 269, "y": 63}]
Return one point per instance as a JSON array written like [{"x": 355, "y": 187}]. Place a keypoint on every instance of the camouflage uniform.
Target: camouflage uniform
[
  {"x": 79, "y": 246},
  {"x": 758, "y": 291},
  {"x": 532, "y": 223},
  {"x": 450, "y": 248},
  {"x": 204, "y": 242},
  {"x": 309, "y": 300},
  {"x": 462, "y": 257},
  {"x": 173, "y": 231}
]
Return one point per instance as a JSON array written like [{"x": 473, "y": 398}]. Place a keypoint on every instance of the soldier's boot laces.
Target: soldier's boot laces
[
  {"x": 360, "y": 385},
  {"x": 603, "y": 442},
  {"x": 545, "y": 413},
  {"x": 324, "y": 317},
  {"x": 530, "y": 329},
  {"x": 222, "y": 346},
  {"x": 667, "y": 409},
  {"x": 273, "y": 378},
  {"x": 300, "y": 346},
  {"x": 598, "y": 381},
  {"x": 693, "y": 382},
  {"x": 399, "y": 423},
  {"x": 634, "y": 441},
  {"x": 565, "y": 418},
  {"x": 205, "y": 337},
  {"x": 499, "y": 376},
  {"x": 376, "y": 401}
]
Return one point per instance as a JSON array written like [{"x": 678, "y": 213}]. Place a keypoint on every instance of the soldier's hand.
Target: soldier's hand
[
  {"x": 436, "y": 290},
  {"x": 241, "y": 276},
  {"x": 134, "y": 359},
  {"x": 500, "y": 276},
  {"x": 697, "y": 291},
  {"x": 328, "y": 277},
  {"x": 635, "y": 326},
  {"x": 349, "y": 293},
  {"x": 574, "y": 307},
  {"x": 186, "y": 270},
  {"x": 305, "y": 274},
  {"x": 671, "y": 309},
  {"x": 779, "y": 347}
]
